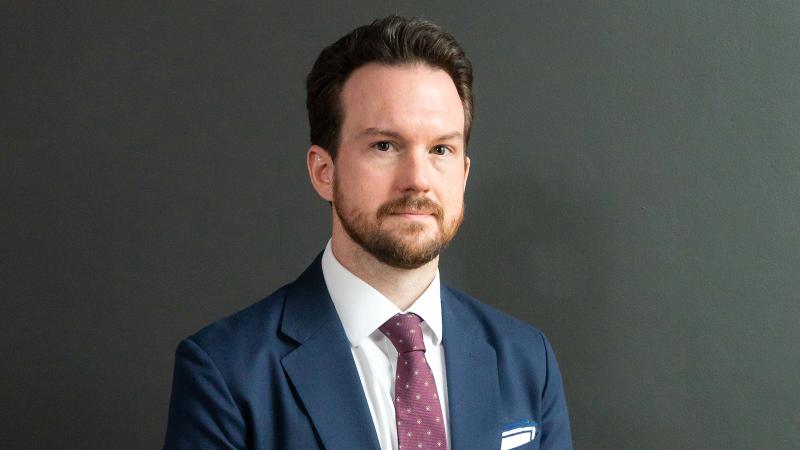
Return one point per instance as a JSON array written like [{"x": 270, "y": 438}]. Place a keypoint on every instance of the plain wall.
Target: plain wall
[{"x": 634, "y": 193}]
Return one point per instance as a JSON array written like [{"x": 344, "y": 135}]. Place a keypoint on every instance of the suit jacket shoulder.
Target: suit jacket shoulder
[
  {"x": 495, "y": 325},
  {"x": 246, "y": 334}
]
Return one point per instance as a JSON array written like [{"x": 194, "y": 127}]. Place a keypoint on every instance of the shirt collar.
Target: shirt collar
[{"x": 362, "y": 309}]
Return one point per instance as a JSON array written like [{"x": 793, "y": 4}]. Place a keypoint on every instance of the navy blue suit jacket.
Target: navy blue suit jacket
[{"x": 280, "y": 375}]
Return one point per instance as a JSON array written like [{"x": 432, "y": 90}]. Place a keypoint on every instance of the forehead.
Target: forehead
[{"x": 408, "y": 98}]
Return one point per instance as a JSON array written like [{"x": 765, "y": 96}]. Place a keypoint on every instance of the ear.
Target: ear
[
  {"x": 467, "y": 163},
  {"x": 320, "y": 171}
]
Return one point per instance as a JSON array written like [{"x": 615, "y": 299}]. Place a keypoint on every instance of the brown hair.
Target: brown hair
[{"x": 392, "y": 40}]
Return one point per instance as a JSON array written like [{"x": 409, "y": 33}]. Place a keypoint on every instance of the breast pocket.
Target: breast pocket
[{"x": 518, "y": 434}]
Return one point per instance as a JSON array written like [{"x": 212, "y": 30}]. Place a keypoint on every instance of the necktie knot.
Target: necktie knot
[{"x": 404, "y": 332}]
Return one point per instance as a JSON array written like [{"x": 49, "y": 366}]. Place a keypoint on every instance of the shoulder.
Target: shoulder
[
  {"x": 246, "y": 334},
  {"x": 507, "y": 334},
  {"x": 255, "y": 337},
  {"x": 491, "y": 320}
]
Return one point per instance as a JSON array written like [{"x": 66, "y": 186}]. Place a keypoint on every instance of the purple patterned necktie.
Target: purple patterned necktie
[{"x": 420, "y": 424}]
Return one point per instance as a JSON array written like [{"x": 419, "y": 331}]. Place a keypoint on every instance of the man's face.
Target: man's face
[{"x": 400, "y": 170}]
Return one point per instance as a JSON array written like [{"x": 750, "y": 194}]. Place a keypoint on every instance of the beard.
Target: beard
[{"x": 404, "y": 247}]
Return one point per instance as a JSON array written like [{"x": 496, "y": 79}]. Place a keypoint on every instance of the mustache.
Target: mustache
[{"x": 406, "y": 204}]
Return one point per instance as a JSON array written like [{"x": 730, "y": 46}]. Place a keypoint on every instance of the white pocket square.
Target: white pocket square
[{"x": 518, "y": 433}]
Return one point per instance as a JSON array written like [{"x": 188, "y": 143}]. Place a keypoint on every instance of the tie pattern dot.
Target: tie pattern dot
[{"x": 416, "y": 402}]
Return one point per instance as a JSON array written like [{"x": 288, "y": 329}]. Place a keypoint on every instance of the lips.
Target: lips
[{"x": 413, "y": 213}]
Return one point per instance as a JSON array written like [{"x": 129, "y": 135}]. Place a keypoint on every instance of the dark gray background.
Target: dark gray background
[{"x": 634, "y": 193}]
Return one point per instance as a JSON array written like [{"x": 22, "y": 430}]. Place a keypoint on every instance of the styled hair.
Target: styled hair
[{"x": 393, "y": 40}]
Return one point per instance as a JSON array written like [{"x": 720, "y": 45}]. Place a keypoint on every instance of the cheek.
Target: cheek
[
  {"x": 358, "y": 176},
  {"x": 453, "y": 204},
  {"x": 358, "y": 190},
  {"x": 369, "y": 183},
  {"x": 458, "y": 198},
  {"x": 454, "y": 188}
]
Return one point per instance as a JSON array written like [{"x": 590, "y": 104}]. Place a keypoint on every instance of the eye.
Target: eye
[
  {"x": 383, "y": 146},
  {"x": 441, "y": 150}
]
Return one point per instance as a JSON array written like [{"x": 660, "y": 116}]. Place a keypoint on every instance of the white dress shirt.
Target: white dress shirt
[{"x": 362, "y": 309}]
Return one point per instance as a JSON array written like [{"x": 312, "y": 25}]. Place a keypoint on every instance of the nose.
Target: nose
[{"x": 414, "y": 172}]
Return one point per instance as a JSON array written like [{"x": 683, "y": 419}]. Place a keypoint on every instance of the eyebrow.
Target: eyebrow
[{"x": 395, "y": 135}]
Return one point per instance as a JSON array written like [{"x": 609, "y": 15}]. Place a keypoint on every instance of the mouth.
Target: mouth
[{"x": 418, "y": 212}]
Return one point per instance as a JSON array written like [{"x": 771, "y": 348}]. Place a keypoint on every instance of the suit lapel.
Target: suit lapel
[
  {"x": 473, "y": 389},
  {"x": 322, "y": 369}
]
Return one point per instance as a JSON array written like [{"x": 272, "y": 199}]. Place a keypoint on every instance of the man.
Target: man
[{"x": 366, "y": 350}]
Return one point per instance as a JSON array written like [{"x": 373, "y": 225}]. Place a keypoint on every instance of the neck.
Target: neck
[{"x": 401, "y": 286}]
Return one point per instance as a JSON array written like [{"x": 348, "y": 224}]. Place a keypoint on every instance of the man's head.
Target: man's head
[{"x": 397, "y": 175}]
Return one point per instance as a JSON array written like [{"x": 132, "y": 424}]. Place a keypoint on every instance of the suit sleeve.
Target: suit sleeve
[
  {"x": 556, "y": 433},
  {"x": 202, "y": 412}
]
